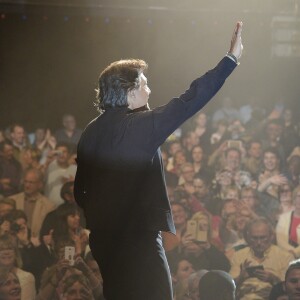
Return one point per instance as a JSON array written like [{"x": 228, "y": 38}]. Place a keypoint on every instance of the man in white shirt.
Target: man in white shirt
[{"x": 58, "y": 172}]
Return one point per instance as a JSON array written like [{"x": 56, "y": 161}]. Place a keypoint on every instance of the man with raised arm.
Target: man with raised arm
[{"x": 120, "y": 179}]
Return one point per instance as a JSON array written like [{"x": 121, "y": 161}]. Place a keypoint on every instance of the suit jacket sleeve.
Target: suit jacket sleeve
[{"x": 156, "y": 125}]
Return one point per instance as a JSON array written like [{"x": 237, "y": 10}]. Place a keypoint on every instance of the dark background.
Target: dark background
[{"x": 51, "y": 53}]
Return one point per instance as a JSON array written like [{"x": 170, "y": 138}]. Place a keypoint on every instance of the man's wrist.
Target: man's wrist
[{"x": 232, "y": 57}]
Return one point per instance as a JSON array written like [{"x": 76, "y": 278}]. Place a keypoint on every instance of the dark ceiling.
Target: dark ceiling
[{"x": 120, "y": 6}]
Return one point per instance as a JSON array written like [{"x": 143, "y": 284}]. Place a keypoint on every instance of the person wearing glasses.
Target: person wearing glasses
[{"x": 256, "y": 268}]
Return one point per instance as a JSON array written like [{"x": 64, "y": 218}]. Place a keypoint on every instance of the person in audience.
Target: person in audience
[
  {"x": 31, "y": 159},
  {"x": 288, "y": 227},
  {"x": 193, "y": 285},
  {"x": 270, "y": 178},
  {"x": 10, "y": 170},
  {"x": 201, "y": 250},
  {"x": 273, "y": 137},
  {"x": 227, "y": 228},
  {"x": 189, "y": 139},
  {"x": 217, "y": 285},
  {"x": 250, "y": 198},
  {"x": 292, "y": 280},
  {"x": 67, "y": 227},
  {"x": 45, "y": 252},
  {"x": 285, "y": 197},
  {"x": 67, "y": 194},
  {"x": 199, "y": 162},
  {"x": 173, "y": 147},
  {"x": 35, "y": 205},
  {"x": 236, "y": 130},
  {"x": 10, "y": 288},
  {"x": 228, "y": 160},
  {"x": 69, "y": 134},
  {"x": 232, "y": 192},
  {"x": 180, "y": 217},
  {"x": 202, "y": 189},
  {"x": 76, "y": 286},
  {"x": 11, "y": 259},
  {"x": 179, "y": 159},
  {"x": 258, "y": 267},
  {"x": 43, "y": 139},
  {"x": 19, "y": 141},
  {"x": 187, "y": 174},
  {"x": 293, "y": 169},
  {"x": 202, "y": 199},
  {"x": 52, "y": 281},
  {"x": 181, "y": 269},
  {"x": 242, "y": 216},
  {"x": 252, "y": 161},
  {"x": 58, "y": 172},
  {"x": 221, "y": 134},
  {"x": 20, "y": 231},
  {"x": 6, "y": 206},
  {"x": 202, "y": 130},
  {"x": 232, "y": 163}
]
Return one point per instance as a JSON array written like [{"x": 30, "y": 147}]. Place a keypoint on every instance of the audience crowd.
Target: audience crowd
[{"x": 232, "y": 178}]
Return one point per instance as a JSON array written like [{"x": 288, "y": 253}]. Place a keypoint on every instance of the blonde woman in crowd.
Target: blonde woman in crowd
[
  {"x": 10, "y": 288},
  {"x": 11, "y": 259}
]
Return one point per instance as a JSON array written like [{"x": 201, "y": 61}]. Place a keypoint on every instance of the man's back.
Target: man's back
[{"x": 123, "y": 171}]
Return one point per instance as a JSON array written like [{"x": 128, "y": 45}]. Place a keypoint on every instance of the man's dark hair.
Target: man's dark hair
[
  {"x": 116, "y": 81},
  {"x": 216, "y": 285}
]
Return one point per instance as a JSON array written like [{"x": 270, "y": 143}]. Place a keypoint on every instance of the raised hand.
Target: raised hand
[{"x": 236, "y": 46}]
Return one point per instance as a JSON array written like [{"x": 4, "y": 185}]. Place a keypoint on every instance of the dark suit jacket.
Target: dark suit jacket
[{"x": 120, "y": 180}]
